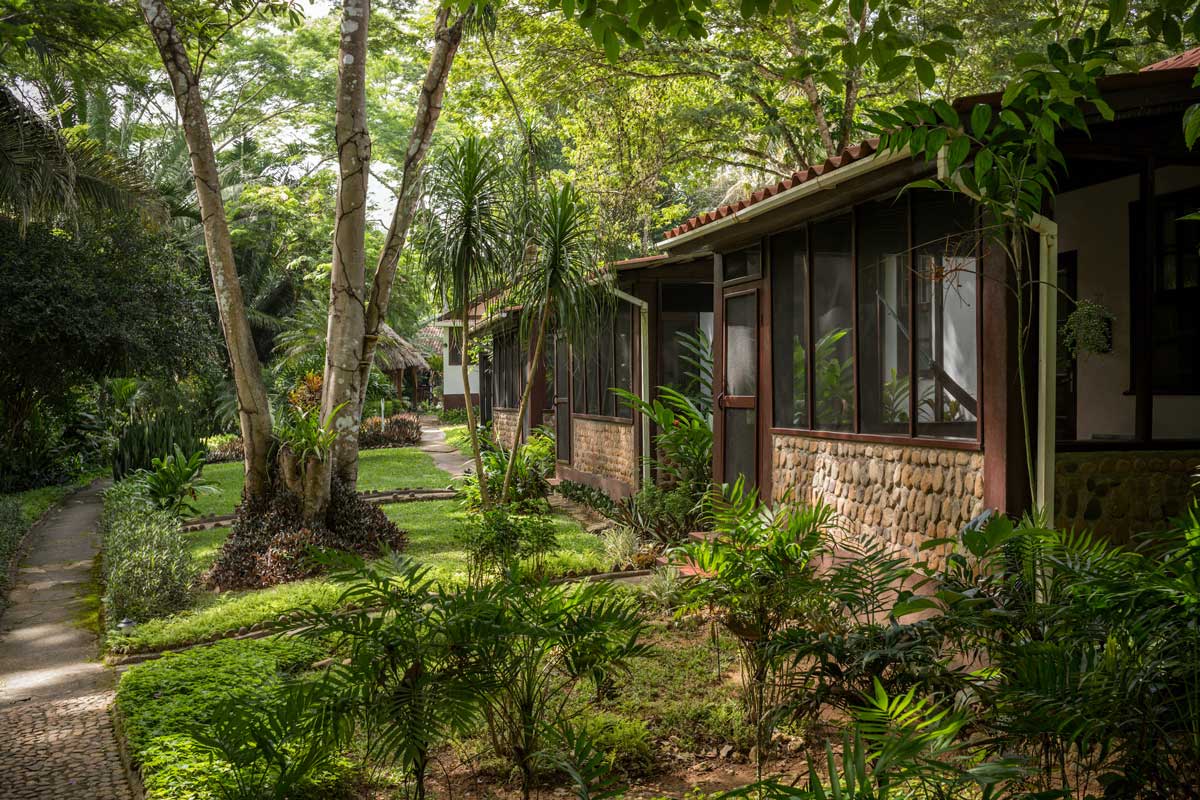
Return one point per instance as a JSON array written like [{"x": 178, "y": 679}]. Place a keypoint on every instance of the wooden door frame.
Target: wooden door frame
[{"x": 722, "y": 293}]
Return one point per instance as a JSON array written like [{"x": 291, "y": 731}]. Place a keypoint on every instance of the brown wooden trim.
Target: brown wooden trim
[
  {"x": 614, "y": 487},
  {"x": 739, "y": 401},
  {"x": 880, "y": 438},
  {"x": 718, "y": 345},
  {"x": 603, "y": 418},
  {"x": 855, "y": 356},
  {"x": 810, "y": 358},
  {"x": 765, "y": 417},
  {"x": 1125, "y": 446},
  {"x": 913, "y": 407}
]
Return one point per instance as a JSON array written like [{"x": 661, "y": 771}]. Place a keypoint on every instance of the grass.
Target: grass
[
  {"x": 388, "y": 468},
  {"x": 433, "y": 530},
  {"x": 457, "y": 436},
  {"x": 36, "y": 502}
]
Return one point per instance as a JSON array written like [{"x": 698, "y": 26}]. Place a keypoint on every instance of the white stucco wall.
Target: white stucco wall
[
  {"x": 452, "y": 382},
  {"x": 1095, "y": 223}
]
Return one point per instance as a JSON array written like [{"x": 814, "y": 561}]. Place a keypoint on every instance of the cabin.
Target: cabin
[
  {"x": 452, "y": 356},
  {"x": 600, "y": 440},
  {"x": 868, "y": 340}
]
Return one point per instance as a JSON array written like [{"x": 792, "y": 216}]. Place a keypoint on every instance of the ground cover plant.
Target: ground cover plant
[{"x": 435, "y": 539}]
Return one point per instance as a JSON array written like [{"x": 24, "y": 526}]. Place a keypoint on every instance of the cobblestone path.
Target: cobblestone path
[{"x": 56, "y": 734}]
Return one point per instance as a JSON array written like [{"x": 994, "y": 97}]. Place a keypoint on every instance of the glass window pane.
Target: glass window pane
[
  {"x": 947, "y": 307},
  {"x": 740, "y": 450},
  {"x": 833, "y": 361},
  {"x": 741, "y": 344},
  {"x": 882, "y": 233},
  {"x": 741, "y": 263},
  {"x": 789, "y": 331},
  {"x": 623, "y": 357}
]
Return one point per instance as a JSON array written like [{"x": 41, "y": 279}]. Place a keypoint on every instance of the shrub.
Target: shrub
[
  {"x": 148, "y": 569},
  {"x": 13, "y": 527},
  {"x": 224, "y": 447},
  {"x": 532, "y": 470},
  {"x": 665, "y": 516},
  {"x": 174, "y": 480},
  {"x": 665, "y": 588},
  {"x": 621, "y": 546},
  {"x": 398, "y": 430},
  {"x": 271, "y": 544},
  {"x": 498, "y": 540},
  {"x": 624, "y": 742},
  {"x": 454, "y": 416},
  {"x": 149, "y": 436}
]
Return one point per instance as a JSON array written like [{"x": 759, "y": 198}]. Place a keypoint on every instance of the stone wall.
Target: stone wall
[
  {"x": 901, "y": 495},
  {"x": 504, "y": 425},
  {"x": 1115, "y": 494},
  {"x": 605, "y": 449}
]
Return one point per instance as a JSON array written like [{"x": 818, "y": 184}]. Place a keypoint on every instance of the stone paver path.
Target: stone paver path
[
  {"x": 56, "y": 734},
  {"x": 445, "y": 456}
]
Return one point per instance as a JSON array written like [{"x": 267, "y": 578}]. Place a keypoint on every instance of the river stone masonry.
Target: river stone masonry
[
  {"x": 1114, "y": 494},
  {"x": 607, "y": 449},
  {"x": 901, "y": 495}
]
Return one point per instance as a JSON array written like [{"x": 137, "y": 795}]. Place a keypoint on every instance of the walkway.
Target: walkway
[
  {"x": 445, "y": 456},
  {"x": 56, "y": 735}
]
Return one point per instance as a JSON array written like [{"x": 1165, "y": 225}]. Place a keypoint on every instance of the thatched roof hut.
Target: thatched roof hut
[{"x": 395, "y": 356}]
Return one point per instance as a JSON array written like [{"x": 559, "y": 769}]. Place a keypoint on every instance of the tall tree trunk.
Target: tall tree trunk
[
  {"x": 254, "y": 410},
  {"x": 446, "y": 39},
  {"x": 340, "y": 390},
  {"x": 523, "y": 407}
]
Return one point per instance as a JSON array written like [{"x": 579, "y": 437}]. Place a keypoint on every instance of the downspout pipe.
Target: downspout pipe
[
  {"x": 1047, "y": 352},
  {"x": 644, "y": 389}
]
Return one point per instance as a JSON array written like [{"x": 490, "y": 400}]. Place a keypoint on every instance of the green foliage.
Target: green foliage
[
  {"x": 697, "y": 356},
  {"x": 684, "y": 439},
  {"x": 533, "y": 466},
  {"x": 622, "y": 546},
  {"x": 1088, "y": 329},
  {"x": 397, "y": 430},
  {"x": 625, "y": 744},
  {"x": 665, "y": 589},
  {"x": 162, "y": 701},
  {"x": 13, "y": 527},
  {"x": 147, "y": 437},
  {"x": 663, "y": 516},
  {"x": 174, "y": 480},
  {"x": 301, "y": 430},
  {"x": 146, "y": 564},
  {"x": 499, "y": 541}
]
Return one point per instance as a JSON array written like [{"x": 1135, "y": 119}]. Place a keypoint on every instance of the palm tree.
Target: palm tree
[
  {"x": 46, "y": 175},
  {"x": 468, "y": 245},
  {"x": 558, "y": 288}
]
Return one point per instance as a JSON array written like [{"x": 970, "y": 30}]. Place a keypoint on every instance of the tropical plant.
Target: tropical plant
[
  {"x": 557, "y": 288},
  {"x": 467, "y": 246},
  {"x": 175, "y": 479},
  {"x": 760, "y": 579},
  {"x": 684, "y": 439},
  {"x": 621, "y": 546},
  {"x": 148, "y": 436},
  {"x": 532, "y": 464},
  {"x": 498, "y": 541},
  {"x": 697, "y": 357},
  {"x": 278, "y": 743},
  {"x": 408, "y": 671},
  {"x": 548, "y": 640}
]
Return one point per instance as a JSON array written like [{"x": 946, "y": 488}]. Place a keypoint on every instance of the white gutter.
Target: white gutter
[
  {"x": 1047, "y": 356},
  {"x": 823, "y": 182},
  {"x": 644, "y": 392}
]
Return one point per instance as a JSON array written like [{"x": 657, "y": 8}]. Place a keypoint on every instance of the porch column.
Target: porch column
[
  {"x": 1005, "y": 475},
  {"x": 1141, "y": 293}
]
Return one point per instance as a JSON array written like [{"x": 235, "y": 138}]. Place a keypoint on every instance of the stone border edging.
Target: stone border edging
[
  {"x": 263, "y": 630},
  {"x": 378, "y": 498},
  {"x": 133, "y": 775}
]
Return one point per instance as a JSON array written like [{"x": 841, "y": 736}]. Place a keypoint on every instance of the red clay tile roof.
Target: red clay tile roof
[
  {"x": 850, "y": 154},
  {"x": 1188, "y": 59}
]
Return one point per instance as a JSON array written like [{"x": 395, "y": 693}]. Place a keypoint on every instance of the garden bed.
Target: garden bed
[
  {"x": 433, "y": 536},
  {"x": 672, "y": 725}
]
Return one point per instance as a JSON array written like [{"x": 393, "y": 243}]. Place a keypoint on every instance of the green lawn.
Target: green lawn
[
  {"x": 36, "y": 502},
  {"x": 457, "y": 436},
  {"x": 433, "y": 538},
  {"x": 389, "y": 468}
]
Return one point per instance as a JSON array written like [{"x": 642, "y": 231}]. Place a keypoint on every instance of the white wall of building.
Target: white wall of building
[
  {"x": 452, "y": 382},
  {"x": 1094, "y": 222}
]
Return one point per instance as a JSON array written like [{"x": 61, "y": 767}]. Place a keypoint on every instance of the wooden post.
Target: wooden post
[
  {"x": 1005, "y": 478},
  {"x": 1141, "y": 296}
]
